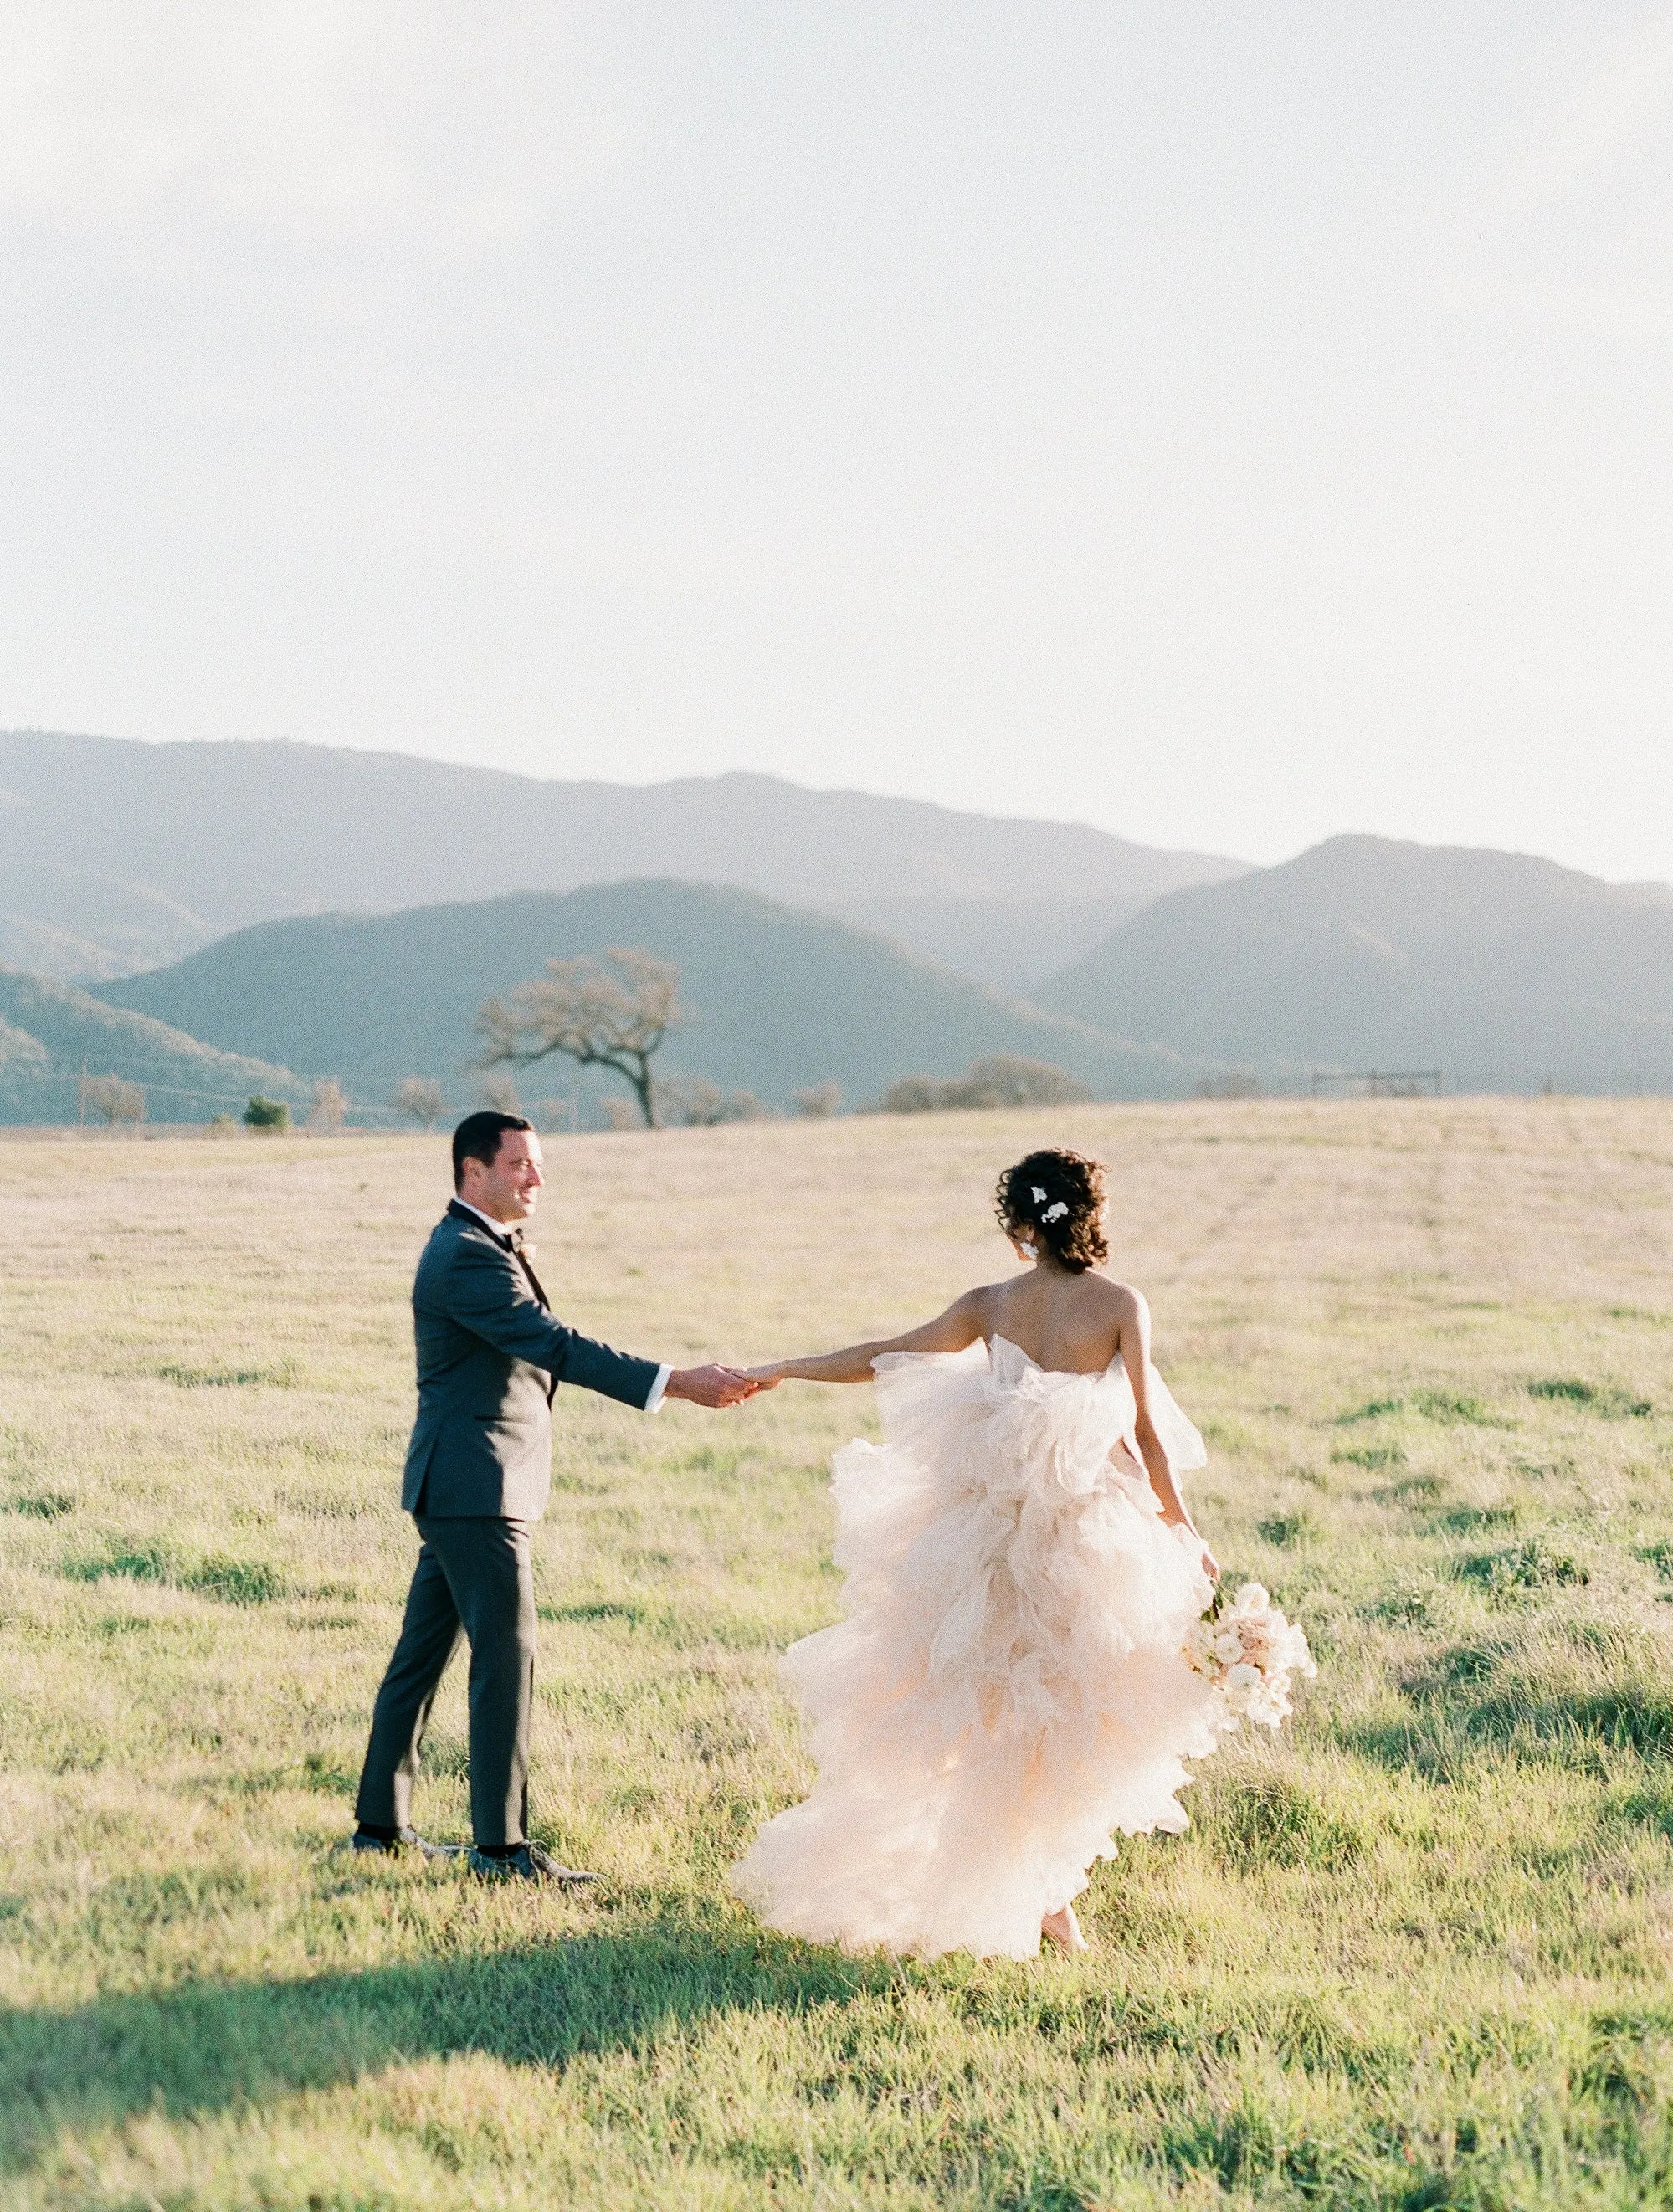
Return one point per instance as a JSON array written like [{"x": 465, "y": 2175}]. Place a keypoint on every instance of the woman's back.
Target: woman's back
[{"x": 1067, "y": 1323}]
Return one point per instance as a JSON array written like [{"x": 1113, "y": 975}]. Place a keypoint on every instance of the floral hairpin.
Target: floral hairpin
[{"x": 1055, "y": 1212}]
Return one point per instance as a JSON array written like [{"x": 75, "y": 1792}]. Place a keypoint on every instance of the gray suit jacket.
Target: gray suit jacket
[{"x": 490, "y": 1358}]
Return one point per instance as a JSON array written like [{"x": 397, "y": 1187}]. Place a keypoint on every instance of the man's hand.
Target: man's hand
[{"x": 711, "y": 1386}]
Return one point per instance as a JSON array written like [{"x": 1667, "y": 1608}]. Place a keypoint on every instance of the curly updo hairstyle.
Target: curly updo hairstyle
[{"x": 1054, "y": 1201}]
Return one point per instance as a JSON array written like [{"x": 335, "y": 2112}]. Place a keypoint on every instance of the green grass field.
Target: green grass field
[{"x": 1414, "y": 1954}]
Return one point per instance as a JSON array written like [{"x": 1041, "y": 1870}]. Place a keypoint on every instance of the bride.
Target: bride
[{"x": 1008, "y": 1684}]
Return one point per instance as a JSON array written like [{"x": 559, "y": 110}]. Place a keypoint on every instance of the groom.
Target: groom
[{"x": 490, "y": 1356}]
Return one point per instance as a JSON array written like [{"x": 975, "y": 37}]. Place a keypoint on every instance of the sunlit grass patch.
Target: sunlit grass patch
[
  {"x": 679, "y": 1628},
  {"x": 1540, "y": 1694},
  {"x": 631, "y": 1616},
  {"x": 1376, "y": 1458},
  {"x": 1650, "y": 1801},
  {"x": 138, "y": 1562},
  {"x": 1456, "y": 1409},
  {"x": 43, "y": 1504},
  {"x": 282, "y": 1375},
  {"x": 1468, "y": 1520},
  {"x": 1274, "y": 1820},
  {"x": 234, "y": 1581},
  {"x": 1412, "y": 1489},
  {"x": 1284, "y": 1529},
  {"x": 217, "y": 1574},
  {"x": 1374, "y": 1409},
  {"x": 1412, "y": 1603},
  {"x": 1610, "y": 1400},
  {"x": 1530, "y": 1565}
]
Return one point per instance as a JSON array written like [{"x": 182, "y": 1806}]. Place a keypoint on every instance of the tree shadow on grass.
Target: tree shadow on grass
[{"x": 209, "y": 2046}]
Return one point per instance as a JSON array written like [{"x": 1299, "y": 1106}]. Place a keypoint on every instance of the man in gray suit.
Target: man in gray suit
[{"x": 490, "y": 1356}]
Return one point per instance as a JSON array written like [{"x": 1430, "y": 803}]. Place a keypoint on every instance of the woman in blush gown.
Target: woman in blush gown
[{"x": 1007, "y": 1686}]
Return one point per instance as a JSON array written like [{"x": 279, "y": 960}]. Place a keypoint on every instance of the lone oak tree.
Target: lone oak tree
[
  {"x": 421, "y": 1097},
  {"x": 615, "y": 1013},
  {"x": 113, "y": 1098}
]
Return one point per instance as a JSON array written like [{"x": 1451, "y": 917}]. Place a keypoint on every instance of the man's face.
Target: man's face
[{"x": 509, "y": 1188}]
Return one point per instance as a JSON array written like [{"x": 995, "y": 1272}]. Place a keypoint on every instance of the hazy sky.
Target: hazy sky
[{"x": 1225, "y": 423}]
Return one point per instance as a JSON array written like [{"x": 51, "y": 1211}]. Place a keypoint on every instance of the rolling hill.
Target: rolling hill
[
  {"x": 783, "y": 1000},
  {"x": 152, "y": 850},
  {"x": 1507, "y": 972},
  {"x": 76, "y": 924},
  {"x": 50, "y": 1032}
]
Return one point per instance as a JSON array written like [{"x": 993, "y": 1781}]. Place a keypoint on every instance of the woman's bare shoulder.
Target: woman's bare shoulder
[{"x": 1120, "y": 1301}]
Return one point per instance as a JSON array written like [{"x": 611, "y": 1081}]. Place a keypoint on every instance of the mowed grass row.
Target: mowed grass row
[{"x": 1414, "y": 1954}]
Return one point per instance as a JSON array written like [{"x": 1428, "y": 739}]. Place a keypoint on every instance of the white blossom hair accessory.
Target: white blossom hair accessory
[
  {"x": 1054, "y": 1212},
  {"x": 1039, "y": 1195}
]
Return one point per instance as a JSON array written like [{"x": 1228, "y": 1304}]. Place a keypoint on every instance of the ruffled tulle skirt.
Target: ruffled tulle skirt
[{"x": 1008, "y": 1689}]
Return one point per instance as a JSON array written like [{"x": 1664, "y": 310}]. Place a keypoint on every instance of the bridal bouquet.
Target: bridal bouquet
[{"x": 1249, "y": 1651}]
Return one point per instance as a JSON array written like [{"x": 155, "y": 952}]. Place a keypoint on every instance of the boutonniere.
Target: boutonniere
[{"x": 526, "y": 1250}]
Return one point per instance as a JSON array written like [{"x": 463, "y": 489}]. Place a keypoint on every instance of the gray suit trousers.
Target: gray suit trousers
[{"x": 473, "y": 1579}]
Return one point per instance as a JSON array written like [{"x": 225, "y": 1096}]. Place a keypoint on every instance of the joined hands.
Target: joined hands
[{"x": 714, "y": 1385}]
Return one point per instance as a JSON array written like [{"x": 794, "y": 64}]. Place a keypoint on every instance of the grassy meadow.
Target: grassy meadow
[{"x": 1417, "y": 1954}]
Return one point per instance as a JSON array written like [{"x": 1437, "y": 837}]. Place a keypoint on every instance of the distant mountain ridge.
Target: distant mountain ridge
[
  {"x": 783, "y": 998},
  {"x": 210, "y": 837},
  {"x": 1504, "y": 970}
]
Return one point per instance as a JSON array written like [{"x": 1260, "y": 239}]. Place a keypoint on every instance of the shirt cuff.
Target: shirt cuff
[{"x": 658, "y": 1388}]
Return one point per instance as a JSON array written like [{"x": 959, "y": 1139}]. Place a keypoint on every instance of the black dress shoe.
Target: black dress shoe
[
  {"x": 528, "y": 1862},
  {"x": 404, "y": 1839}
]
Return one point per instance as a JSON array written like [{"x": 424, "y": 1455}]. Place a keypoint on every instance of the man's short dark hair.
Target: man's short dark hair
[{"x": 479, "y": 1136}]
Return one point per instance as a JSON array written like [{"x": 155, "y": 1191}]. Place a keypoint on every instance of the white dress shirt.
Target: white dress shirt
[{"x": 502, "y": 1230}]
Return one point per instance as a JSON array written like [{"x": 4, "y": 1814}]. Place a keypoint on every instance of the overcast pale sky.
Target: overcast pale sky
[{"x": 1226, "y": 424}]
